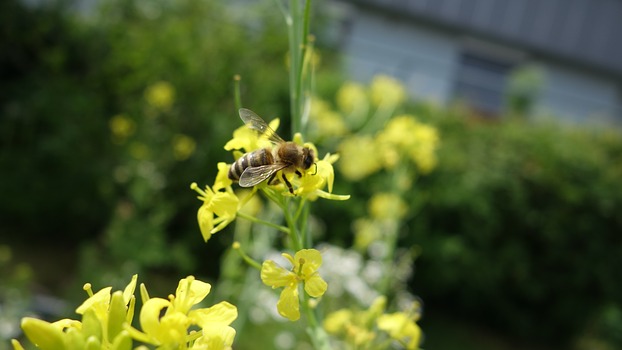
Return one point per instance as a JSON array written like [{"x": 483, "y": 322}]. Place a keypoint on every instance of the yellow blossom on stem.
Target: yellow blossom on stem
[
  {"x": 305, "y": 265},
  {"x": 166, "y": 323},
  {"x": 360, "y": 157},
  {"x": 387, "y": 206},
  {"x": 401, "y": 327},
  {"x": 386, "y": 90},
  {"x": 104, "y": 315},
  {"x": 247, "y": 139},
  {"x": 311, "y": 185},
  {"x": 356, "y": 327},
  {"x": 219, "y": 209},
  {"x": 160, "y": 95}
]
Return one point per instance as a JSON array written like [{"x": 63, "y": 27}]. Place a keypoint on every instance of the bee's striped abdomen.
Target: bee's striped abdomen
[{"x": 251, "y": 159}]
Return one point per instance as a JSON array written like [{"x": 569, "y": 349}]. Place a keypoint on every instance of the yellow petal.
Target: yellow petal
[
  {"x": 336, "y": 322},
  {"x": 206, "y": 221},
  {"x": 150, "y": 315},
  {"x": 43, "y": 334},
  {"x": 16, "y": 345},
  {"x": 99, "y": 301},
  {"x": 310, "y": 259},
  {"x": 399, "y": 326},
  {"x": 315, "y": 286},
  {"x": 225, "y": 204},
  {"x": 128, "y": 292},
  {"x": 190, "y": 292},
  {"x": 288, "y": 305},
  {"x": 334, "y": 197},
  {"x": 275, "y": 276},
  {"x": 222, "y": 313},
  {"x": 116, "y": 315},
  {"x": 217, "y": 337},
  {"x": 222, "y": 178}
]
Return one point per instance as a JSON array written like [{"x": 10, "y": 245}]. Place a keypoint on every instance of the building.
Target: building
[{"x": 468, "y": 49}]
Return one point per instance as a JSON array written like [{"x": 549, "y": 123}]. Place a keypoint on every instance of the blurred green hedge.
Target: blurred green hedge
[
  {"x": 522, "y": 227},
  {"x": 67, "y": 76}
]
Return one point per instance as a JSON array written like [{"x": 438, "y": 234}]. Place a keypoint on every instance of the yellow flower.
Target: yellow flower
[
  {"x": 166, "y": 323},
  {"x": 355, "y": 327},
  {"x": 247, "y": 139},
  {"x": 183, "y": 146},
  {"x": 160, "y": 95},
  {"x": 328, "y": 123},
  {"x": 219, "y": 209},
  {"x": 306, "y": 263},
  {"x": 386, "y": 90},
  {"x": 402, "y": 328},
  {"x": 103, "y": 317},
  {"x": 366, "y": 232},
  {"x": 387, "y": 206},
  {"x": 406, "y": 137},
  {"x": 222, "y": 179},
  {"x": 360, "y": 157},
  {"x": 121, "y": 127},
  {"x": 320, "y": 175},
  {"x": 352, "y": 99}
]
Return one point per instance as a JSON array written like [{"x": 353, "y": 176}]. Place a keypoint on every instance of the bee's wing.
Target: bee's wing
[
  {"x": 253, "y": 121},
  {"x": 254, "y": 175}
]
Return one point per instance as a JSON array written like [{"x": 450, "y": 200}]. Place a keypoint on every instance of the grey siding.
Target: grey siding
[{"x": 584, "y": 31}]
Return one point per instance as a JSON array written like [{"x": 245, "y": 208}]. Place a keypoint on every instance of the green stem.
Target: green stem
[
  {"x": 298, "y": 37},
  {"x": 246, "y": 258},
  {"x": 294, "y": 232},
  {"x": 263, "y": 222},
  {"x": 236, "y": 92}
]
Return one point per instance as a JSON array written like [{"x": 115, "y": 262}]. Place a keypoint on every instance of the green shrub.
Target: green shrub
[
  {"x": 522, "y": 225},
  {"x": 71, "y": 81}
]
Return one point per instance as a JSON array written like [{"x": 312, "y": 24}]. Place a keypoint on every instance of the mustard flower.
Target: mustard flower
[
  {"x": 305, "y": 265},
  {"x": 406, "y": 137},
  {"x": 219, "y": 209},
  {"x": 247, "y": 139},
  {"x": 352, "y": 99},
  {"x": 356, "y": 327},
  {"x": 401, "y": 327},
  {"x": 360, "y": 157},
  {"x": 104, "y": 315},
  {"x": 121, "y": 127},
  {"x": 314, "y": 180},
  {"x": 386, "y": 90},
  {"x": 387, "y": 206},
  {"x": 183, "y": 146},
  {"x": 160, "y": 95},
  {"x": 165, "y": 323}
]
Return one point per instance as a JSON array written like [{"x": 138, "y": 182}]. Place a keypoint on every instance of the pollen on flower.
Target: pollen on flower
[{"x": 235, "y": 245}]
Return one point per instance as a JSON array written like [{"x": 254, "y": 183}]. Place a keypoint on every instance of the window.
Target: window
[{"x": 481, "y": 81}]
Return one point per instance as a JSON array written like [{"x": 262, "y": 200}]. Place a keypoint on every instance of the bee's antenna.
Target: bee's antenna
[{"x": 315, "y": 173}]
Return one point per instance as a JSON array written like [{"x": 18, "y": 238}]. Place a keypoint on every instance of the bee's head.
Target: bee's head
[{"x": 308, "y": 157}]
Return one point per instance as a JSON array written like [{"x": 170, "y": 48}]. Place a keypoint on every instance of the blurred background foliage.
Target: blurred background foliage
[{"x": 107, "y": 116}]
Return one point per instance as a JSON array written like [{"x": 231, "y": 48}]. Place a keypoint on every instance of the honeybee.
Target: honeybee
[{"x": 265, "y": 163}]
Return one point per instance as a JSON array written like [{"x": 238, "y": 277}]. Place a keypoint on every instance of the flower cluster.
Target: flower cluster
[
  {"x": 166, "y": 323},
  {"x": 369, "y": 328},
  {"x": 365, "y": 123}
]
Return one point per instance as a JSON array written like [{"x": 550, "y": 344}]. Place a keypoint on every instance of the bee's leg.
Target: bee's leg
[
  {"x": 298, "y": 173},
  {"x": 273, "y": 180},
  {"x": 289, "y": 185}
]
